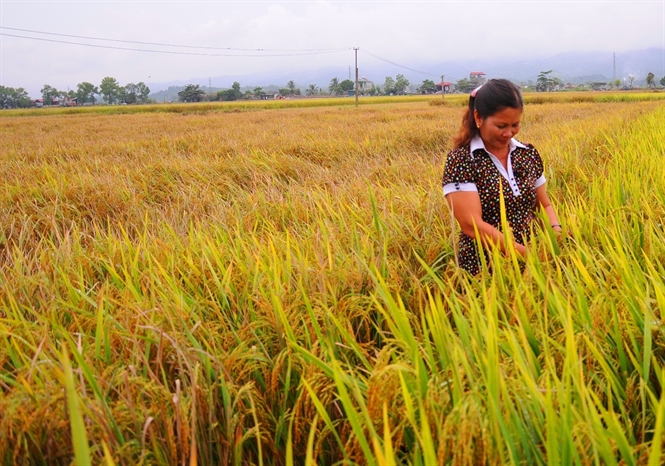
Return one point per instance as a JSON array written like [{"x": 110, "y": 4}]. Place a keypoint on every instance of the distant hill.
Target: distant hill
[
  {"x": 573, "y": 67},
  {"x": 579, "y": 67}
]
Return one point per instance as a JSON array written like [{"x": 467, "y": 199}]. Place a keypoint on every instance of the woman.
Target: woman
[{"x": 487, "y": 162}]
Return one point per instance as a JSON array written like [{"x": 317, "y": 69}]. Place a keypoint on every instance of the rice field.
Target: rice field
[{"x": 276, "y": 285}]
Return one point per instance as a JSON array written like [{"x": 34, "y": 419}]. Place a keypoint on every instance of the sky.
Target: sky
[{"x": 301, "y": 35}]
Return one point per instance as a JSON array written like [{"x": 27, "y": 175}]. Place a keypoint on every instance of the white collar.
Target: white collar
[
  {"x": 477, "y": 143},
  {"x": 508, "y": 175}
]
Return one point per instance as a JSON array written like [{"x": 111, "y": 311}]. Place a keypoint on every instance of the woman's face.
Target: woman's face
[{"x": 498, "y": 129}]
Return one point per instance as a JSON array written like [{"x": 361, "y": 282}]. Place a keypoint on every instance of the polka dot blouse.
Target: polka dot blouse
[{"x": 473, "y": 168}]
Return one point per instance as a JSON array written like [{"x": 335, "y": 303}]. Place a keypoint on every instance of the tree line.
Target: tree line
[
  {"x": 112, "y": 92},
  {"x": 109, "y": 90},
  {"x": 14, "y": 98},
  {"x": 391, "y": 86},
  {"x": 398, "y": 85},
  {"x": 195, "y": 93},
  {"x": 546, "y": 82}
]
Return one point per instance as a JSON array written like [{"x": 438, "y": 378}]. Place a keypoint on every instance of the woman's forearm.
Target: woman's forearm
[
  {"x": 492, "y": 237},
  {"x": 543, "y": 202},
  {"x": 552, "y": 217}
]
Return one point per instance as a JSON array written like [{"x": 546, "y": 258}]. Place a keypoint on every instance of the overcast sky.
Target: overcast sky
[{"x": 408, "y": 33}]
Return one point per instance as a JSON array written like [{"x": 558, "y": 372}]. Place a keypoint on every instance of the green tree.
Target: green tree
[
  {"x": 617, "y": 83},
  {"x": 131, "y": 93},
  {"x": 311, "y": 90},
  {"x": 401, "y": 84},
  {"x": 651, "y": 78},
  {"x": 662, "y": 81},
  {"x": 334, "y": 87},
  {"x": 109, "y": 89},
  {"x": 122, "y": 95},
  {"x": 291, "y": 85},
  {"x": 6, "y": 96},
  {"x": 546, "y": 82},
  {"x": 346, "y": 86},
  {"x": 49, "y": 93},
  {"x": 191, "y": 93},
  {"x": 235, "y": 87},
  {"x": 13, "y": 98},
  {"x": 21, "y": 98},
  {"x": 228, "y": 95},
  {"x": 258, "y": 91},
  {"x": 86, "y": 91},
  {"x": 464, "y": 85},
  {"x": 631, "y": 78},
  {"x": 389, "y": 85},
  {"x": 427, "y": 87},
  {"x": 142, "y": 92}
]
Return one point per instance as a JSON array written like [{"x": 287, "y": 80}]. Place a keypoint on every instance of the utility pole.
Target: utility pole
[
  {"x": 356, "y": 50},
  {"x": 443, "y": 89}
]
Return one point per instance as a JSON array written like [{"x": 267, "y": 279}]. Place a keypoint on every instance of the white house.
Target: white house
[
  {"x": 477, "y": 77},
  {"x": 364, "y": 85}
]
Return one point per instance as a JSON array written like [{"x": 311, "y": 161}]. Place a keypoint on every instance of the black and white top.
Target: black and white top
[{"x": 474, "y": 168}]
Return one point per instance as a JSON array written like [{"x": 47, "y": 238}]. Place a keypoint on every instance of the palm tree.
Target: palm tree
[
  {"x": 311, "y": 90},
  {"x": 292, "y": 87},
  {"x": 334, "y": 86}
]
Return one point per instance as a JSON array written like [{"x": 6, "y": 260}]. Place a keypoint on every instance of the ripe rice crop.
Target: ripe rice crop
[{"x": 279, "y": 287}]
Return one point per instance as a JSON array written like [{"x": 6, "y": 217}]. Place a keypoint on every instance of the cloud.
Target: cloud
[{"x": 409, "y": 33}]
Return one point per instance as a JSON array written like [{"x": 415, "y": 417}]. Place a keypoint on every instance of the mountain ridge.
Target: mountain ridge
[{"x": 575, "y": 67}]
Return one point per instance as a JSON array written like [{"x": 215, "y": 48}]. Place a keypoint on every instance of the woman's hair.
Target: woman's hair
[{"x": 488, "y": 99}]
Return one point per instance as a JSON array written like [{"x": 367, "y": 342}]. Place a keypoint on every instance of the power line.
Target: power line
[
  {"x": 397, "y": 64},
  {"x": 171, "y": 45},
  {"x": 171, "y": 52},
  {"x": 401, "y": 66},
  {"x": 260, "y": 52}
]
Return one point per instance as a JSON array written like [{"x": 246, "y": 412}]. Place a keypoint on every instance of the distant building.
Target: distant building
[
  {"x": 445, "y": 85},
  {"x": 598, "y": 86},
  {"x": 477, "y": 78},
  {"x": 364, "y": 85}
]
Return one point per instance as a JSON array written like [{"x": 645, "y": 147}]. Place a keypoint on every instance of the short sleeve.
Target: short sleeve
[
  {"x": 537, "y": 165},
  {"x": 536, "y": 160},
  {"x": 459, "y": 173}
]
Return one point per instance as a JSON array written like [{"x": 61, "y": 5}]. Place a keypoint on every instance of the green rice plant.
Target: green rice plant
[
  {"x": 279, "y": 287},
  {"x": 79, "y": 434},
  {"x": 204, "y": 108}
]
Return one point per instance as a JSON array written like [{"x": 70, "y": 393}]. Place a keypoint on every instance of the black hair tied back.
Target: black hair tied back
[{"x": 487, "y": 99}]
